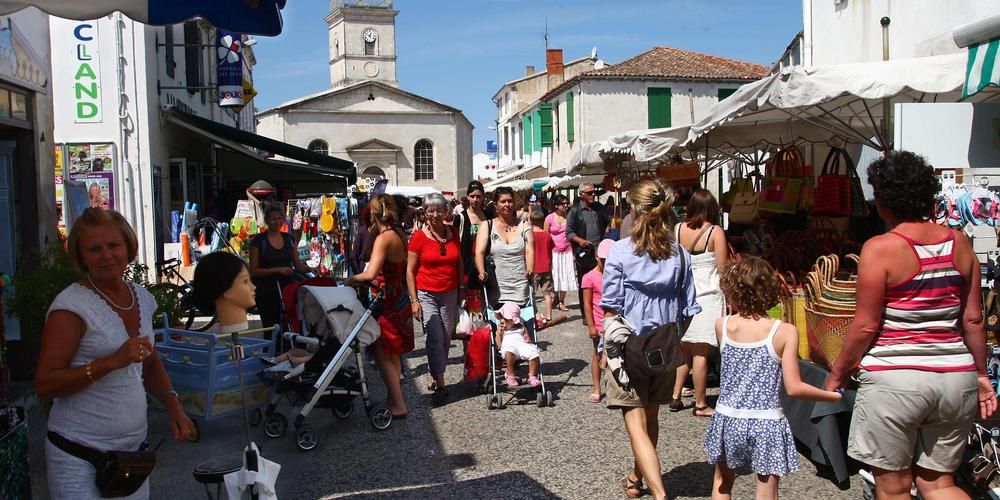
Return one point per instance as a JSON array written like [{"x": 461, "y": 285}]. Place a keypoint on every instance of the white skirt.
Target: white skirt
[{"x": 563, "y": 272}]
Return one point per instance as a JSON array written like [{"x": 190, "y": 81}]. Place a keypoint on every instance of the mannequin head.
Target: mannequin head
[{"x": 222, "y": 287}]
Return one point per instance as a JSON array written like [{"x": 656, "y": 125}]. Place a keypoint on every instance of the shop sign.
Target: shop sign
[
  {"x": 86, "y": 83},
  {"x": 229, "y": 69}
]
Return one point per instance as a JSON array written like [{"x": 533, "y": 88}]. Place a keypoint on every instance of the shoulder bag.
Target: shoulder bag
[
  {"x": 659, "y": 353},
  {"x": 118, "y": 473}
]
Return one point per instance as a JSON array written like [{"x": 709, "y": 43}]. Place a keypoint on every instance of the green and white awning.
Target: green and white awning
[{"x": 983, "y": 69}]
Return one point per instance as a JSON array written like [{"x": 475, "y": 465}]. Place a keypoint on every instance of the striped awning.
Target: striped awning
[{"x": 983, "y": 69}]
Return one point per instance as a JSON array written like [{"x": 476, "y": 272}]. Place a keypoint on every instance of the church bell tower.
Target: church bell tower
[{"x": 362, "y": 42}]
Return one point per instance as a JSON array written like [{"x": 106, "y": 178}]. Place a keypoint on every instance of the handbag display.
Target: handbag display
[
  {"x": 659, "y": 353},
  {"x": 119, "y": 473},
  {"x": 836, "y": 193},
  {"x": 745, "y": 207},
  {"x": 786, "y": 174}
]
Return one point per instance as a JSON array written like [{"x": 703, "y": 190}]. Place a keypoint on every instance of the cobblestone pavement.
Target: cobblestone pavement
[{"x": 574, "y": 449}]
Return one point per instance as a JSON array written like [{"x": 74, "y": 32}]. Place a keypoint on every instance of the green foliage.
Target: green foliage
[{"x": 35, "y": 287}]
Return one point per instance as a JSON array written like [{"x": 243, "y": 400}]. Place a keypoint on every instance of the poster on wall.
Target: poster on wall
[
  {"x": 59, "y": 181},
  {"x": 93, "y": 165}
]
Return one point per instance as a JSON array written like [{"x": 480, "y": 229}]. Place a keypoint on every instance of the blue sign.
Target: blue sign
[
  {"x": 491, "y": 146},
  {"x": 229, "y": 59}
]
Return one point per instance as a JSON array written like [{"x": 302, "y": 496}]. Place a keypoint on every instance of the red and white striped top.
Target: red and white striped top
[{"x": 920, "y": 327}]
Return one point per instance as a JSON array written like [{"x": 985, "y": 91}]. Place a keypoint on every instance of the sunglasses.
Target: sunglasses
[
  {"x": 587, "y": 192},
  {"x": 441, "y": 247}
]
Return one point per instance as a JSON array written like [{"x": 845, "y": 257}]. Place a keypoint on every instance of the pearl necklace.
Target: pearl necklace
[{"x": 108, "y": 299}]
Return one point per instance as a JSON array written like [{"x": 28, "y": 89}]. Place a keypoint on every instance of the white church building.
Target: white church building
[{"x": 366, "y": 118}]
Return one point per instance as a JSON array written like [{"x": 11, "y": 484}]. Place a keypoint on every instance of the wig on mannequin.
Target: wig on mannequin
[{"x": 212, "y": 277}]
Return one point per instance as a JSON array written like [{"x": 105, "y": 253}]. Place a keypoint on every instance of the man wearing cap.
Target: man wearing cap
[{"x": 586, "y": 224}]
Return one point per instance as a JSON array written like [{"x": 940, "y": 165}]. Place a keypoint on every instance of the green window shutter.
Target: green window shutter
[
  {"x": 526, "y": 132},
  {"x": 545, "y": 112},
  {"x": 536, "y": 130},
  {"x": 724, "y": 93},
  {"x": 658, "y": 100},
  {"x": 570, "y": 127}
]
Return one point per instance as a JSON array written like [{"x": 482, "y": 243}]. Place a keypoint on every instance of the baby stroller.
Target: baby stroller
[
  {"x": 335, "y": 325},
  {"x": 492, "y": 389}
]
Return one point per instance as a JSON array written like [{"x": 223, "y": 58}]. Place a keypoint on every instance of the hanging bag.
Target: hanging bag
[
  {"x": 782, "y": 186},
  {"x": 746, "y": 205},
  {"x": 741, "y": 182},
  {"x": 833, "y": 189}
]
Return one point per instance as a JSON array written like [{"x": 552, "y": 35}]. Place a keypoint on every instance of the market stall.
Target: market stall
[{"x": 787, "y": 151}]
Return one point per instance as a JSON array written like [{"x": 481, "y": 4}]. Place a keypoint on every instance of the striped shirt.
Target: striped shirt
[{"x": 920, "y": 327}]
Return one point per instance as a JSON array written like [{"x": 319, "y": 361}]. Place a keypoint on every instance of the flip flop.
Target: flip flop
[{"x": 594, "y": 398}]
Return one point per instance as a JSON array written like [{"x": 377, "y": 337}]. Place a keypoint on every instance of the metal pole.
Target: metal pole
[{"x": 886, "y": 102}]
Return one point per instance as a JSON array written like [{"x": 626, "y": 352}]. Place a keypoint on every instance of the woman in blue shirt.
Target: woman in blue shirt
[{"x": 642, "y": 281}]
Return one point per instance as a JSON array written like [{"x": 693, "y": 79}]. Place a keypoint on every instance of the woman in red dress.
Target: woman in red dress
[{"x": 387, "y": 269}]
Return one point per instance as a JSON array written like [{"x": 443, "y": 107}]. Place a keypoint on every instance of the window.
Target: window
[
  {"x": 724, "y": 93},
  {"x": 168, "y": 42},
  {"x": 536, "y": 131},
  {"x": 520, "y": 144},
  {"x": 369, "y": 48},
  {"x": 658, "y": 100},
  {"x": 555, "y": 123},
  {"x": 544, "y": 113},
  {"x": 192, "y": 57},
  {"x": 423, "y": 161},
  {"x": 319, "y": 146},
  {"x": 526, "y": 133},
  {"x": 570, "y": 126},
  {"x": 506, "y": 140}
]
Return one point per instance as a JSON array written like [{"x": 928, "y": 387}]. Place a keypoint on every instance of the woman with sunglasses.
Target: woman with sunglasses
[
  {"x": 563, "y": 269},
  {"x": 433, "y": 276}
]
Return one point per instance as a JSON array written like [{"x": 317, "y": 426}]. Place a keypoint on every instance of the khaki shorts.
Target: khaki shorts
[
  {"x": 658, "y": 390},
  {"x": 543, "y": 283},
  {"x": 902, "y": 417}
]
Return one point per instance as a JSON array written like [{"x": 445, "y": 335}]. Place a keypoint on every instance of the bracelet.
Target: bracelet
[
  {"x": 173, "y": 393},
  {"x": 89, "y": 370}
]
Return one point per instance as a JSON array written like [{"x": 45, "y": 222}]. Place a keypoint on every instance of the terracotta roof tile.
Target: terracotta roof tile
[{"x": 668, "y": 62}]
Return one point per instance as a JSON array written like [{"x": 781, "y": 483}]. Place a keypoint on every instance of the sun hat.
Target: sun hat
[
  {"x": 604, "y": 248},
  {"x": 511, "y": 311}
]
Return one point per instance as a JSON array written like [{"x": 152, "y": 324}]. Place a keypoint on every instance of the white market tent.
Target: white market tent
[
  {"x": 818, "y": 104},
  {"x": 408, "y": 191}
]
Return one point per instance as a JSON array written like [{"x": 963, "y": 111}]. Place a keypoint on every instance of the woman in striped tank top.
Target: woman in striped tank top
[{"x": 918, "y": 339}]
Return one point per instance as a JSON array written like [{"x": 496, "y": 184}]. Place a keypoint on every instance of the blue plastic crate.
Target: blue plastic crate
[{"x": 204, "y": 373}]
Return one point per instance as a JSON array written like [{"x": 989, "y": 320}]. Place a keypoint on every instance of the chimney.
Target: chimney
[
  {"x": 529, "y": 70},
  {"x": 554, "y": 67}
]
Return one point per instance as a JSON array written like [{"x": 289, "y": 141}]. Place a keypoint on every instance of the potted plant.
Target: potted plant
[
  {"x": 34, "y": 289},
  {"x": 15, "y": 476}
]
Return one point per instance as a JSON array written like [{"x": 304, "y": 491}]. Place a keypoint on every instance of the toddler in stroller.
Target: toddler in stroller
[{"x": 515, "y": 345}]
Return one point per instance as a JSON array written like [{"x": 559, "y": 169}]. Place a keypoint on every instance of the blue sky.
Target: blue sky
[{"x": 460, "y": 52}]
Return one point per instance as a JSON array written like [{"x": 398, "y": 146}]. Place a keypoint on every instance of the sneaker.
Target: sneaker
[{"x": 534, "y": 382}]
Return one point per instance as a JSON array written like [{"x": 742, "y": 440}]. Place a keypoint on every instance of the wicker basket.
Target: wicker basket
[{"x": 827, "y": 332}]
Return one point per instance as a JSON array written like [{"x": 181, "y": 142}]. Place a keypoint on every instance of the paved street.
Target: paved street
[{"x": 574, "y": 449}]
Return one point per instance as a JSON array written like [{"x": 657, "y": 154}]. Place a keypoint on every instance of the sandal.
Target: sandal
[
  {"x": 697, "y": 411},
  {"x": 595, "y": 397},
  {"x": 633, "y": 489},
  {"x": 675, "y": 405},
  {"x": 511, "y": 381},
  {"x": 563, "y": 307},
  {"x": 686, "y": 393}
]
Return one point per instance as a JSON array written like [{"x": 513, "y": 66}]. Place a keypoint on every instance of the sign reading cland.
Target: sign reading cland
[{"x": 86, "y": 80}]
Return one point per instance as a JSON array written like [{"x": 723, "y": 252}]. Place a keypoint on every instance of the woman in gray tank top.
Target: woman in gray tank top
[{"x": 511, "y": 246}]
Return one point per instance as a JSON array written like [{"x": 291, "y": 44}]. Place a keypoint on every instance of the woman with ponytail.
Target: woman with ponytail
[
  {"x": 387, "y": 269},
  {"x": 649, "y": 282}
]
